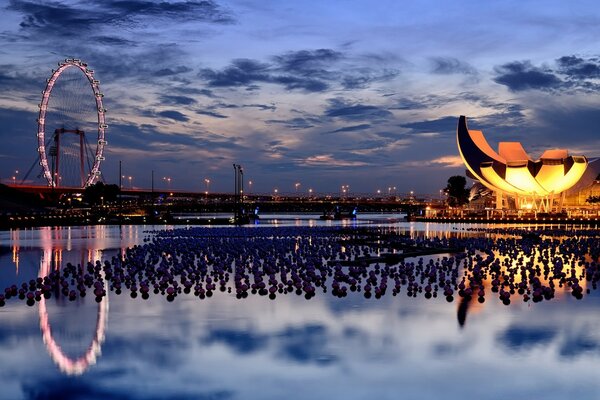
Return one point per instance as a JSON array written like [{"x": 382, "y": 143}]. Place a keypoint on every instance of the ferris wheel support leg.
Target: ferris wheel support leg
[
  {"x": 81, "y": 154},
  {"x": 56, "y": 180}
]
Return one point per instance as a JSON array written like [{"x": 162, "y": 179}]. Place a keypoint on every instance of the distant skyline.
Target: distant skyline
[{"x": 324, "y": 94}]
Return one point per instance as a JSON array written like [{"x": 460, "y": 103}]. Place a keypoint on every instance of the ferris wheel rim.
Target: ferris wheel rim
[{"x": 100, "y": 111}]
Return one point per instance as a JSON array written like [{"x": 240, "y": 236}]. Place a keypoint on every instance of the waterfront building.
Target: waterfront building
[{"x": 519, "y": 181}]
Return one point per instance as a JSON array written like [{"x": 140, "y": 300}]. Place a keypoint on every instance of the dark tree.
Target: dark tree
[
  {"x": 100, "y": 193},
  {"x": 456, "y": 190}
]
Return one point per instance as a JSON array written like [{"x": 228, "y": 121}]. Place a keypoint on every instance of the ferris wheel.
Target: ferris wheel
[{"x": 71, "y": 112}]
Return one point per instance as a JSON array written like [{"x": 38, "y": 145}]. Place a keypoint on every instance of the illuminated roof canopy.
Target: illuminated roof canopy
[{"x": 512, "y": 171}]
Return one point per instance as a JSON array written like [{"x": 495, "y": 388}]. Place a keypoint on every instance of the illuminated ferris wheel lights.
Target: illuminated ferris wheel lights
[{"x": 100, "y": 110}]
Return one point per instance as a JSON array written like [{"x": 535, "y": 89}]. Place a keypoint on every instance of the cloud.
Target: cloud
[
  {"x": 247, "y": 72},
  {"x": 304, "y": 83},
  {"x": 343, "y": 109},
  {"x": 329, "y": 161},
  {"x": 306, "y": 70},
  {"x": 448, "y": 161},
  {"x": 312, "y": 63},
  {"x": 450, "y": 65},
  {"x": 177, "y": 100},
  {"x": 406, "y": 103},
  {"x": 136, "y": 64},
  {"x": 439, "y": 125},
  {"x": 569, "y": 127},
  {"x": 506, "y": 115},
  {"x": 174, "y": 115},
  {"x": 363, "y": 77},
  {"x": 12, "y": 79},
  {"x": 210, "y": 110},
  {"x": 211, "y": 114},
  {"x": 261, "y": 107},
  {"x": 112, "y": 41},
  {"x": 293, "y": 123},
  {"x": 241, "y": 72},
  {"x": 352, "y": 128},
  {"x": 59, "y": 19},
  {"x": 381, "y": 144},
  {"x": 579, "y": 68},
  {"x": 205, "y": 10},
  {"x": 522, "y": 75},
  {"x": 172, "y": 71},
  {"x": 191, "y": 90}
]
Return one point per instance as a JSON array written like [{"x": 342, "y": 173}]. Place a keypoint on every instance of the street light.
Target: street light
[
  {"x": 297, "y": 185},
  {"x": 130, "y": 178},
  {"x": 168, "y": 180},
  {"x": 207, "y": 181},
  {"x": 249, "y": 187},
  {"x": 345, "y": 189}
]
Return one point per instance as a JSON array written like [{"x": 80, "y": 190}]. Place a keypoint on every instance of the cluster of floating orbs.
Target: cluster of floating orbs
[{"x": 307, "y": 260}]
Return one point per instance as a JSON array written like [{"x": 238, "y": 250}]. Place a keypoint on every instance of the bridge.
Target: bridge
[{"x": 46, "y": 191}]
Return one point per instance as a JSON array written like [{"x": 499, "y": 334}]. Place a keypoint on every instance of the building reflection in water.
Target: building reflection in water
[{"x": 517, "y": 267}]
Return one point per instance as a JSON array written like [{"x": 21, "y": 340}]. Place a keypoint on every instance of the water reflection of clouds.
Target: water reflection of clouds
[
  {"x": 269, "y": 344},
  {"x": 519, "y": 338},
  {"x": 341, "y": 348}
]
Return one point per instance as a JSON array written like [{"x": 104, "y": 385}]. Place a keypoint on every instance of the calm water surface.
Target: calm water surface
[{"x": 324, "y": 348}]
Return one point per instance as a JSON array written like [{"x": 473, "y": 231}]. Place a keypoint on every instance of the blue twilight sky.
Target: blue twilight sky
[{"x": 324, "y": 93}]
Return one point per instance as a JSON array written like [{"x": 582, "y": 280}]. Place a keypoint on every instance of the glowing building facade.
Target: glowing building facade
[{"x": 517, "y": 180}]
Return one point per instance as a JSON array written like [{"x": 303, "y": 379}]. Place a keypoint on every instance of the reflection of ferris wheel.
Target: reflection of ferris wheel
[
  {"x": 68, "y": 116},
  {"x": 68, "y": 365}
]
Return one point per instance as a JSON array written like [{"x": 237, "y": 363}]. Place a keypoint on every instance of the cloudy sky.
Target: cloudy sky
[{"x": 324, "y": 93}]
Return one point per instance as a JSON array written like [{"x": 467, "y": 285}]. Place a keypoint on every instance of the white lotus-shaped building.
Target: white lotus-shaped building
[{"x": 510, "y": 171}]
